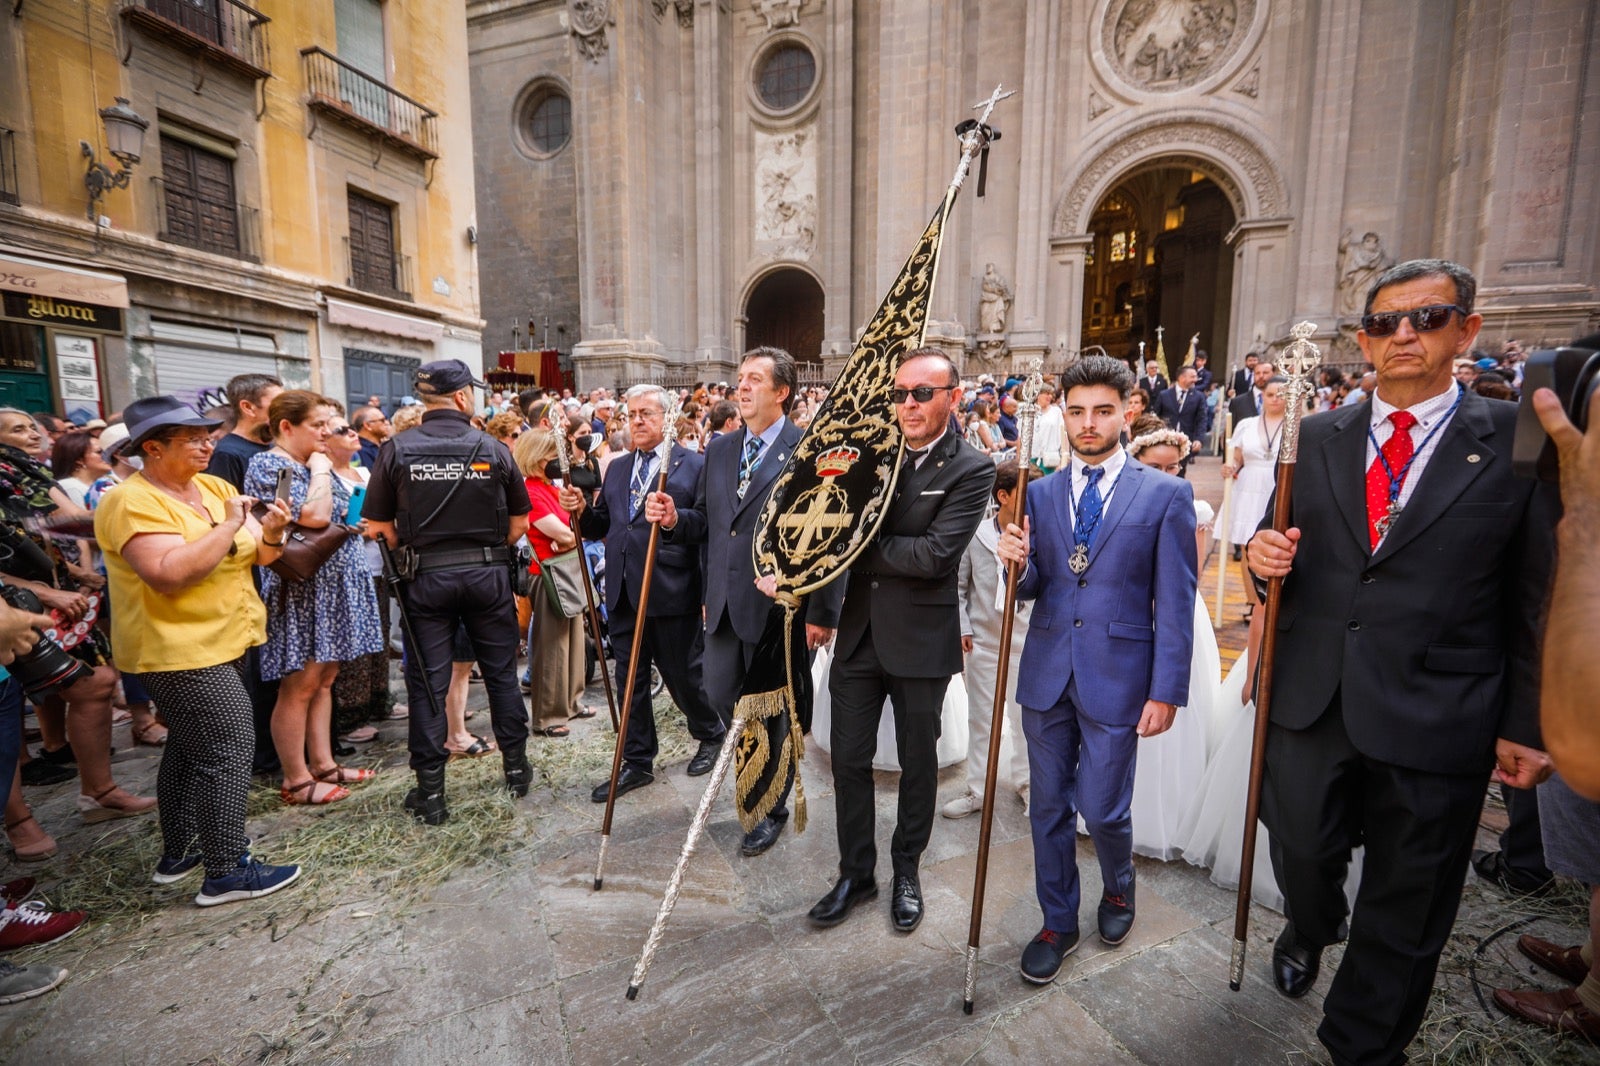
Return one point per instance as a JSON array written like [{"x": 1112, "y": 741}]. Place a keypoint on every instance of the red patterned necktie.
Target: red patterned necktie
[{"x": 1397, "y": 451}]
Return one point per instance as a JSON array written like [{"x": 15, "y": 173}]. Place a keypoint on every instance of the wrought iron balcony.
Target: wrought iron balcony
[
  {"x": 361, "y": 101},
  {"x": 384, "y": 275},
  {"x": 227, "y": 31},
  {"x": 222, "y": 229},
  {"x": 10, "y": 192}
]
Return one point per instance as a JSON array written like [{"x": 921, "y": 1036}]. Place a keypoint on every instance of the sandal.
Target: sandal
[
  {"x": 94, "y": 810},
  {"x": 121, "y": 716},
  {"x": 290, "y": 794},
  {"x": 152, "y": 733},
  {"x": 582, "y": 712},
  {"x": 476, "y": 750},
  {"x": 343, "y": 775},
  {"x": 36, "y": 852},
  {"x": 365, "y": 735},
  {"x": 553, "y": 731}
]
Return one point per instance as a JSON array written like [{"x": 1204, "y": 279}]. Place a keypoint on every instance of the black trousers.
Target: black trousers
[
  {"x": 675, "y": 644},
  {"x": 727, "y": 659},
  {"x": 1522, "y": 843},
  {"x": 857, "y": 687},
  {"x": 436, "y": 603},
  {"x": 1321, "y": 798}
]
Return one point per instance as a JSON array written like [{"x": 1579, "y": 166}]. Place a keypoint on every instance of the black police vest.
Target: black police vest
[{"x": 450, "y": 491}]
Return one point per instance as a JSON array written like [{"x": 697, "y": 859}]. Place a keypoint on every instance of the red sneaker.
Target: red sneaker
[
  {"x": 29, "y": 924},
  {"x": 17, "y": 890}
]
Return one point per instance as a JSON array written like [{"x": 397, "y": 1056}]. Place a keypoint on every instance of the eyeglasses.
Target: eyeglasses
[
  {"x": 1423, "y": 319},
  {"x": 922, "y": 393},
  {"x": 194, "y": 442},
  {"x": 339, "y": 431}
]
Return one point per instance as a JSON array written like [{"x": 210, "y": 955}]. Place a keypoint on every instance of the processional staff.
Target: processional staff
[
  {"x": 663, "y": 455},
  {"x": 1299, "y": 362},
  {"x": 1025, "y": 419},
  {"x": 591, "y": 614}
]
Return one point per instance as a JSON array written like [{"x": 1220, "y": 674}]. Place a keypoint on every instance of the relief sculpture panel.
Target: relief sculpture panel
[
  {"x": 786, "y": 193},
  {"x": 1168, "y": 45}
]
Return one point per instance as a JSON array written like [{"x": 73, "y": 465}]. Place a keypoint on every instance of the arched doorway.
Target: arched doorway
[
  {"x": 1157, "y": 259},
  {"x": 784, "y": 310}
]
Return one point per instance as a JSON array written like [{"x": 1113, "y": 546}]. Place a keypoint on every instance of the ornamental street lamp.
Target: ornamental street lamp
[{"x": 125, "y": 139}]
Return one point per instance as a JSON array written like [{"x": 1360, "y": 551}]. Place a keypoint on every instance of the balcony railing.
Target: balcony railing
[
  {"x": 227, "y": 31},
  {"x": 222, "y": 229},
  {"x": 387, "y": 277},
  {"x": 10, "y": 193},
  {"x": 359, "y": 100}
]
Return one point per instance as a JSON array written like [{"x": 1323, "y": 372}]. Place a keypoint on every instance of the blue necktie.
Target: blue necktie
[
  {"x": 747, "y": 465},
  {"x": 642, "y": 463},
  {"x": 1089, "y": 509}
]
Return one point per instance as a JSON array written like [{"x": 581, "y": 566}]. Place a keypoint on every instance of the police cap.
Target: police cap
[{"x": 444, "y": 376}]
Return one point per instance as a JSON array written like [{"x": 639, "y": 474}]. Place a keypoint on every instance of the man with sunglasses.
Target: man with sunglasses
[
  {"x": 372, "y": 426},
  {"x": 1416, "y": 569},
  {"x": 899, "y": 637}
]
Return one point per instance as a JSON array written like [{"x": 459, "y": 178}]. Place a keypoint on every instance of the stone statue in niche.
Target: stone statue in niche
[
  {"x": 1163, "y": 45},
  {"x": 1359, "y": 266},
  {"x": 786, "y": 193},
  {"x": 994, "y": 301}
]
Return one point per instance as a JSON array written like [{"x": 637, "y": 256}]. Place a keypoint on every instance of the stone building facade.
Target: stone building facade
[
  {"x": 302, "y": 202},
  {"x": 710, "y": 173}
]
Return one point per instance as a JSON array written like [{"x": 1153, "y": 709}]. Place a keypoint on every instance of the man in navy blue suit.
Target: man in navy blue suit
[
  {"x": 1110, "y": 558},
  {"x": 1183, "y": 408},
  {"x": 673, "y": 636},
  {"x": 741, "y": 468}
]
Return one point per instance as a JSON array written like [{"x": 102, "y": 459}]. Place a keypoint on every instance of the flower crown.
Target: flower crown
[{"x": 1159, "y": 437}]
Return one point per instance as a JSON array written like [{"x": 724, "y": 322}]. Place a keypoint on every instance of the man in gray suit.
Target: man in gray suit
[{"x": 741, "y": 468}]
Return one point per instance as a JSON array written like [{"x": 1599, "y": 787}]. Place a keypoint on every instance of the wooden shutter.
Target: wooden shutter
[{"x": 371, "y": 244}]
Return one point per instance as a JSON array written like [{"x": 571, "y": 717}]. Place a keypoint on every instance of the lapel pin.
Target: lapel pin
[{"x": 1474, "y": 457}]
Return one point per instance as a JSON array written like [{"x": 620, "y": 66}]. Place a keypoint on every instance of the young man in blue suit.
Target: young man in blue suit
[
  {"x": 741, "y": 469},
  {"x": 1110, "y": 561}
]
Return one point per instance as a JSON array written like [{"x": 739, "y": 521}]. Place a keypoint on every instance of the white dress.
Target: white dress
[
  {"x": 1253, "y": 488},
  {"x": 1212, "y": 833},
  {"x": 1168, "y": 768},
  {"x": 952, "y": 746}
]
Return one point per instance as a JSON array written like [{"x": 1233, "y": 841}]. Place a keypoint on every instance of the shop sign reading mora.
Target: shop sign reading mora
[{"x": 48, "y": 309}]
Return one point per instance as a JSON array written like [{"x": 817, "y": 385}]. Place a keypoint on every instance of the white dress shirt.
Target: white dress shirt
[
  {"x": 1430, "y": 414},
  {"x": 1112, "y": 465}
]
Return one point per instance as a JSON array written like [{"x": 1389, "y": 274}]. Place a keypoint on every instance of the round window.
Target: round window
[
  {"x": 547, "y": 121},
  {"x": 786, "y": 76}
]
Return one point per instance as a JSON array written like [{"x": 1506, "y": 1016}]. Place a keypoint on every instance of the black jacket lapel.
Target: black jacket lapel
[
  {"x": 1464, "y": 452},
  {"x": 1345, "y": 453}
]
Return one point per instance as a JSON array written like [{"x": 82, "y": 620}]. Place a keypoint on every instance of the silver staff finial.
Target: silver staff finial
[{"x": 1299, "y": 361}]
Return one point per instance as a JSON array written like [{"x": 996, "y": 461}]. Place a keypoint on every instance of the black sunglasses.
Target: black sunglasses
[
  {"x": 339, "y": 431},
  {"x": 1423, "y": 319},
  {"x": 923, "y": 393}
]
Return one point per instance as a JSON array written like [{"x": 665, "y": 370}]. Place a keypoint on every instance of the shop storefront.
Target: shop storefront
[{"x": 59, "y": 323}]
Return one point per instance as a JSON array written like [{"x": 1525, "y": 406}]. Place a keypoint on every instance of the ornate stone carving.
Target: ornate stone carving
[
  {"x": 1359, "y": 266},
  {"x": 1215, "y": 147},
  {"x": 1167, "y": 45},
  {"x": 1250, "y": 84},
  {"x": 587, "y": 20},
  {"x": 1097, "y": 105},
  {"x": 684, "y": 8},
  {"x": 778, "y": 13},
  {"x": 994, "y": 301},
  {"x": 786, "y": 193}
]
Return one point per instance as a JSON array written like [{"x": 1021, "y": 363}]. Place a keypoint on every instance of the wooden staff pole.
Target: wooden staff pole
[
  {"x": 591, "y": 613},
  {"x": 1299, "y": 362},
  {"x": 997, "y": 720}
]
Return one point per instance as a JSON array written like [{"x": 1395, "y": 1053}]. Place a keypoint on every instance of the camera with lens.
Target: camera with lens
[
  {"x": 47, "y": 666},
  {"x": 1572, "y": 373}
]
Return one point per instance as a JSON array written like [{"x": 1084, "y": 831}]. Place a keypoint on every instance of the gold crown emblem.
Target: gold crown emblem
[{"x": 837, "y": 461}]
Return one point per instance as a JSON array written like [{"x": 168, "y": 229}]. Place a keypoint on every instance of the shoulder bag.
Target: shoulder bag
[
  {"x": 563, "y": 583},
  {"x": 305, "y": 549}
]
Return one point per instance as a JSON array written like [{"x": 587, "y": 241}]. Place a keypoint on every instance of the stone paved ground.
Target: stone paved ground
[{"x": 486, "y": 943}]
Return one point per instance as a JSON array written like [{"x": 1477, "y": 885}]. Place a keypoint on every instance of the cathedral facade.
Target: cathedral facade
[{"x": 662, "y": 184}]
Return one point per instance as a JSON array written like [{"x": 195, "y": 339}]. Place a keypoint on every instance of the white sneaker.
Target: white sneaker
[{"x": 971, "y": 803}]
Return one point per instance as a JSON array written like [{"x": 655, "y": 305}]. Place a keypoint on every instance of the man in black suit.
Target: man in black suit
[
  {"x": 1243, "y": 377},
  {"x": 1153, "y": 382},
  {"x": 673, "y": 637},
  {"x": 1202, "y": 371},
  {"x": 900, "y": 637},
  {"x": 741, "y": 468},
  {"x": 1407, "y": 660},
  {"x": 1183, "y": 408},
  {"x": 1248, "y": 403}
]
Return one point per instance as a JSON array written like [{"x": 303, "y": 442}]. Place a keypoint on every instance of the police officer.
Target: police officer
[{"x": 452, "y": 500}]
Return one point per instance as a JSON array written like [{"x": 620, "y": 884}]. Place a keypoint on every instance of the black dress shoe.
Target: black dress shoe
[
  {"x": 906, "y": 908},
  {"x": 705, "y": 758},
  {"x": 1493, "y": 868},
  {"x": 1116, "y": 917},
  {"x": 835, "y": 906},
  {"x": 628, "y": 779},
  {"x": 1294, "y": 964},
  {"x": 1042, "y": 958},
  {"x": 763, "y": 836},
  {"x": 43, "y": 773}
]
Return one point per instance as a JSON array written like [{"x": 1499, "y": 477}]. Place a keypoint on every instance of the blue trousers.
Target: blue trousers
[
  {"x": 1077, "y": 765},
  {"x": 11, "y": 709}
]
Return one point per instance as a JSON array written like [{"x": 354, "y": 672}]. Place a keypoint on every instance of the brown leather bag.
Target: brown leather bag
[{"x": 305, "y": 549}]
